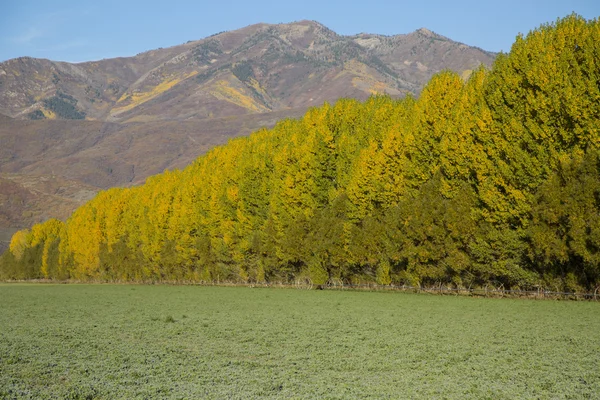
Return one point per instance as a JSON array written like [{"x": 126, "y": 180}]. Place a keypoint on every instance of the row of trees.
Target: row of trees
[{"x": 493, "y": 180}]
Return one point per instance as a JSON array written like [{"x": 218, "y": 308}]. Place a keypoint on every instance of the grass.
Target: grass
[{"x": 121, "y": 341}]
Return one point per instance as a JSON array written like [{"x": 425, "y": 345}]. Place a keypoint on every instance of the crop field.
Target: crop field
[{"x": 128, "y": 341}]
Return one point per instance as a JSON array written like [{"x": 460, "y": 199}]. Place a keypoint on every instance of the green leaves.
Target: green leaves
[
  {"x": 490, "y": 181},
  {"x": 565, "y": 230}
]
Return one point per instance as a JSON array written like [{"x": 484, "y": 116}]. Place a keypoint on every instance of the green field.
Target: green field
[{"x": 125, "y": 341}]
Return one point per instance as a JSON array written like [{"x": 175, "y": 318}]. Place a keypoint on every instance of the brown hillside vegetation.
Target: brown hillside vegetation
[{"x": 104, "y": 154}]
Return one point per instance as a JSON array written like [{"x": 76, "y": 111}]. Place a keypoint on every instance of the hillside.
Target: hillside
[
  {"x": 256, "y": 69},
  {"x": 492, "y": 181},
  {"x": 115, "y": 122},
  {"x": 105, "y": 154}
]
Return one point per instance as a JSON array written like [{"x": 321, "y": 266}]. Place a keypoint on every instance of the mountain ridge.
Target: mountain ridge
[{"x": 259, "y": 68}]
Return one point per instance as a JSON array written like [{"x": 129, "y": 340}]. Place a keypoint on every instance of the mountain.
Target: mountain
[
  {"x": 256, "y": 69},
  {"x": 114, "y": 122}
]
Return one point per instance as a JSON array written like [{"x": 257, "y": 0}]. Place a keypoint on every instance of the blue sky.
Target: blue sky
[{"x": 81, "y": 30}]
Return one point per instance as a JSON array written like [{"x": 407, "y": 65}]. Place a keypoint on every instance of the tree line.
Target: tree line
[{"x": 492, "y": 180}]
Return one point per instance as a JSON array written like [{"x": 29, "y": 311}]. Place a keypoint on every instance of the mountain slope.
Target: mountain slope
[
  {"x": 256, "y": 69},
  {"x": 104, "y": 154},
  {"x": 115, "y": 122}
]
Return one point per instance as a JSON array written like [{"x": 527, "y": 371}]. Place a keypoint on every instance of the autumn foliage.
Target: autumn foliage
[{"x": 495, "y": 180}]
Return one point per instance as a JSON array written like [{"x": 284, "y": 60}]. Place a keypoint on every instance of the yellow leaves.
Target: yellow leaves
[
  {"x": 256, "y": 86},
  {"x": 438, "y": 98},
  {"x": 18, "y": 243},
  {"x": 42, "y": 236},
  {"x": 378, "y": 88},
  {"x": 139, "y": 97},
  {"x": 223, "y": 90},
  {"x": 363, "y": 79},
  {"x": 233, "y": 193},
  {"x": 49, "y": 114},
  {"x": 376, "y": 171},
  {"x": 372, "y": 86},
  {"x": 364, "y": 187},
  {"x": 466, "y": 74}
]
